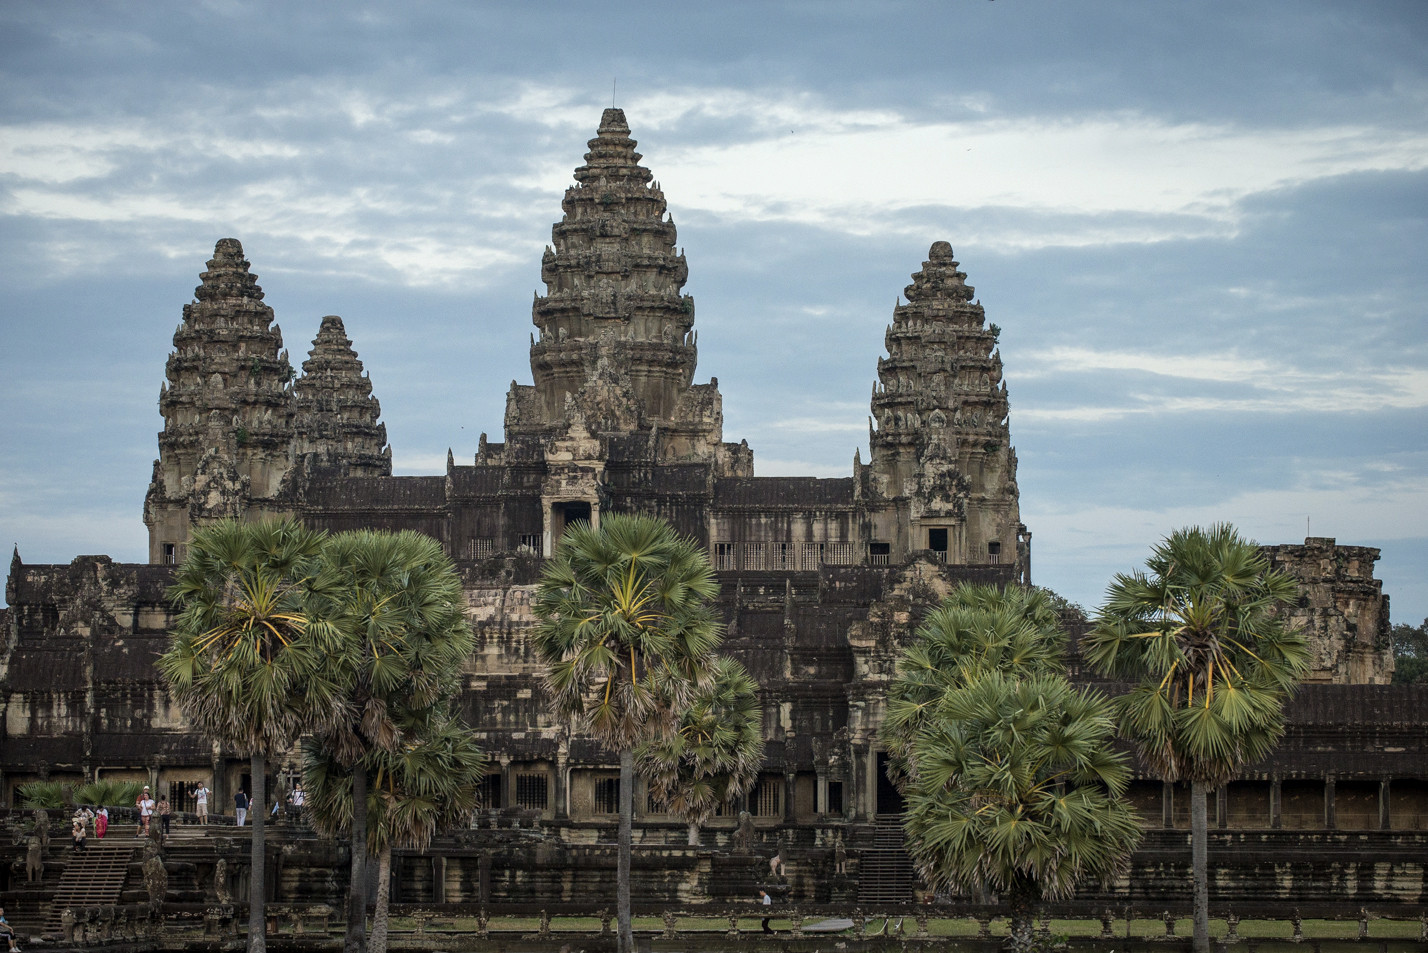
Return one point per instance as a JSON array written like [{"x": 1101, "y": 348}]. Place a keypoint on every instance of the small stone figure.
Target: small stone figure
[
  {"x": 776, "y": 867},
  {"x": 840, "y": 856},
  {"x": 34, "y": 858},
  {"x": 744, "y": 834},
  {"x": 156, "y": 876},
  {"x": 220, "y": 882}
]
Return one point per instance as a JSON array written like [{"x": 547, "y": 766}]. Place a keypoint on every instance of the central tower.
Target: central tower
[{"x": 615, "y": 350}]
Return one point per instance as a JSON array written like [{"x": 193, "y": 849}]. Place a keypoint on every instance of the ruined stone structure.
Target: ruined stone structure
[{"x": 822, "y": 582}]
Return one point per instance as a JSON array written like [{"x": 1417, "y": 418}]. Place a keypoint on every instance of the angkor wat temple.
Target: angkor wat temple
[{"x": 822, "y": 581}]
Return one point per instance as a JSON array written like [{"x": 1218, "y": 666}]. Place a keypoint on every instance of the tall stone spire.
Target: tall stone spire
[
  {"x": 941, "y": 440},
  {"x": 227, "y": 407},
  {"x": 616, "y": 347},
  {"x": 335, "y": 414}
]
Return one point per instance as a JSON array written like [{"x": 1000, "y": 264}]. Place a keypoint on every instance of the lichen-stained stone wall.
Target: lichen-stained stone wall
[{"x": 1342, "y": 610}]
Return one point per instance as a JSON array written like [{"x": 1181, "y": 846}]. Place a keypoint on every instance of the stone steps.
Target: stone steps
[{"x": 93, "y": 877}]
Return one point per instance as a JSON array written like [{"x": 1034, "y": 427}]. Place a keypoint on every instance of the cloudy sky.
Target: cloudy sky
[{"x": 1201, "y": 227}]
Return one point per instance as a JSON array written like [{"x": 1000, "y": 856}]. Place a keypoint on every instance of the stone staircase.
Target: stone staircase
[
  {"x": 93, "y": 877},
  {"x": 885, "y": 872}
]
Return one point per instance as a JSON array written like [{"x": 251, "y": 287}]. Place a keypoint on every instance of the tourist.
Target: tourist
[
  {"x": 101, "y": 822},
  {"x": 165, "y": 814},
  {"x": 8, "y": 932},
  {"x": 297, "y": 799},
  {"x": 200, "y": 797},
  {"x": 240, "y": 806},
  {"x": 145, "y": 804},
  {"x": 77, "y": 833},
  {"x": 766, "y": 901}
]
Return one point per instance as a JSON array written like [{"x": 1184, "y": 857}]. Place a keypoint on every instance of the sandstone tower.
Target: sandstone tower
[
  {"x": 939, "y": 436},
  {"x": 336, "y": 426},
  {"x": 238, "y": 427},
  {"x": 614, "y": 362},
  {"x": 227, "y": 407}
]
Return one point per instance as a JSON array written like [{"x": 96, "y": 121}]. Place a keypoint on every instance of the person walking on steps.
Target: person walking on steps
[
  {"x": 101, "y": 822},
  {"x": 767, "y": 901},
  {"x": 200, "y": 802},
  {"x": 145, "y": 804},
  {"x": 166, "y": 814},
  {"x": 240, "y": 806}
]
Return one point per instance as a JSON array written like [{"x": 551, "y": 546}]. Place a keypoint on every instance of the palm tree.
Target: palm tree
[
  {"x": 393, "y": 607},
  {"x": 625, "y": 633},
  {"x": 977, "y": 628},
  {"x": 241, "y": 660},
  {"x": 1214, "y": 659},
  {"x": 1015, "y": 787},
  {"x": 715, "y": 754},
  {"x": 429, "y": 783}
]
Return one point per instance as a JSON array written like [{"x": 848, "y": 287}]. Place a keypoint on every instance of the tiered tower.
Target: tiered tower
[
  {"x": 335, "y": 415},
  {"x": 940, "y": 442},
  {"x": 227, "y": 406},
  {"x": 616, "y": 335}
]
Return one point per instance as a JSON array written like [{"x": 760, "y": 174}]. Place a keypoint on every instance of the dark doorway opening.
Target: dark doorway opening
[
  {"x": 565, "y": 515},
  {"x": 937, "y": 542},
  {"x": 890, "y": 799}
]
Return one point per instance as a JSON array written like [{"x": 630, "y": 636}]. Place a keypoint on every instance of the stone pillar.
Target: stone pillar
[
  {"x": 820, "y": 794},
  {"x": 1385, "y": 818},
  {"x": 1330, "y": 819},
  {"x": 438, "y": 879},
  {"x": 562, "y": 784},
  {"x": 1276, "y": 803},
  {"x": 1222, "y": 805},
  {"x": 219, "y": 795},
  {"x": 1167, "y": 805},
  {"x": 508, "y": 783},
  {"x": 790, "y": 785}
]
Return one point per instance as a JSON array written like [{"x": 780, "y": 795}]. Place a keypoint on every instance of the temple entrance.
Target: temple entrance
[
  {"x": 564, "y": 515},
  {"x": 890, "y": 800}
]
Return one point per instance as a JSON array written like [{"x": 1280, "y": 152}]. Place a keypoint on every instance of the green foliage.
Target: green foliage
[
  {"x": 391, "y": 610},
  {"x": 1410, "y": 654},
  {"x": 626, "y": 627},
  {"x": 1213, "y": 658},
  {"x": 714, "y": 756},
  {"x": 46, "y": 795},
  {"x": 625, "y": 635},
  {"x": 977, "y": 628},
  {"x": 241, "y": 661},
  {"x": 1010, "y": 774},
  {"x": 429, "y": 783},
  {"x": 109, "y": 793}
]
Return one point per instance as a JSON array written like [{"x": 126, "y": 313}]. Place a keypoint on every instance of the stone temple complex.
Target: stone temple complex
[{"x": 822, "y": 580}]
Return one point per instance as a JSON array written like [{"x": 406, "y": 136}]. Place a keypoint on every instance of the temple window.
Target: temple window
[
  {"x": 724, "y": 556},
  {"x": 994, "y": 552},
  {"x": 489, "y": 789},
  {"x": 812, "y": 556},
  {"x": 766, "y": 799},
  {"x": 838, "y": 554},
  {"x": 482, "y": 547},
  {"x": 170, "y": 554},
  {"x": 530, "y": 544},
  {"x": 607, "y": 796},
  {"x": 879, "y": 554},
  {"x": 754, "y": 555},
  {"x": 532, "y": 791}
]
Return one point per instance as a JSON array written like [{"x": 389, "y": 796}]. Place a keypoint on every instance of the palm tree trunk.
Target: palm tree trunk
[
  {"x": 378, "y": 943},
  {"x": 356, "y": 939},
  {"x": 1199, "y": 866},
  {"x": 622, "y": 872},
  {"x": 257, "y": 889},
  {"x": 1021, "y": 935}
]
